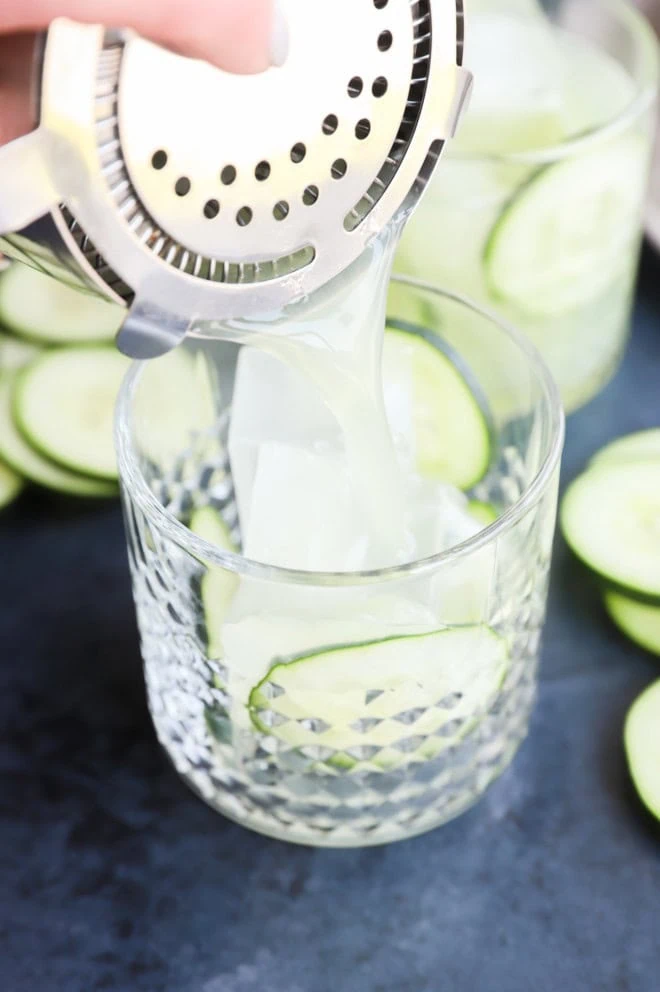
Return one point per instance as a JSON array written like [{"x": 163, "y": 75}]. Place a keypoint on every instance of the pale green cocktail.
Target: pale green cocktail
[{"x": 537, "y": 211}]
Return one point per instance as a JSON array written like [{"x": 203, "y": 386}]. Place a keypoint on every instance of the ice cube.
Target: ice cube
[
  {"x": 458, "y": 592},
  {"x": 272, "y": 402},
  {"x": 438, "y": 516},
  {"x": 303, "y": 513},
  {"x": 399, "y": 401}
]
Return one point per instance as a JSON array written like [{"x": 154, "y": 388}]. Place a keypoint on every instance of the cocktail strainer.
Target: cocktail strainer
[{"x": 189, "y": 194}]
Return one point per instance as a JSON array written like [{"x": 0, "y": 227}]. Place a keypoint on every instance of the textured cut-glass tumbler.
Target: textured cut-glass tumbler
[{"x": 408, "y": 739}]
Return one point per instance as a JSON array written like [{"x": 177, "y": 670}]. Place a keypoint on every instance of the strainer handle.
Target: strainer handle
[{"x": 27, "y": 192}]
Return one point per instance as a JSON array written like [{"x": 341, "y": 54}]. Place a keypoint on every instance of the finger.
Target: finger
[{"x": 237, "y": 35}]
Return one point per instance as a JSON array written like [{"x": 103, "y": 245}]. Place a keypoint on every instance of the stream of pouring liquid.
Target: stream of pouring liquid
[{"x": 335, "y": 339}]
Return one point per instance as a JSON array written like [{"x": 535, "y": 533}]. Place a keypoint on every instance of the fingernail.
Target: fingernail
[{"x": 279, "y": 40}]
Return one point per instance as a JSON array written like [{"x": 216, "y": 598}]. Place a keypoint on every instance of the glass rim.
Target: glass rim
[
  {"x": 645, "y": 94},
  {"x": 136, "y": 487}
]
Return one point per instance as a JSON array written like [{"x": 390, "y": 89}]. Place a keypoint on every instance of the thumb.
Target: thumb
[{"x": 237, "y": 35}]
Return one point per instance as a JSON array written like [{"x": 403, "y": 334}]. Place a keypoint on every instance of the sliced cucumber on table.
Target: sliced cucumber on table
[
  {"x": 15, "y": 353},
  {"x": 218, "y": 585},
  {"x": 429, "y": 686},
  {"x": 642, "y": 744},
  {"x": 43, "y": 309},
  {"x": 638, "y": 621},
  {"x": 640, "y": 446},
  {"x": 559, "y": 239},
  {"x": 610, "y": 517},
  {"x": 10, "y": 485},
  {"x": 452, "y": 436},
  {"x": 21, "y": 457},
  {"x": 64, "y": 406}
]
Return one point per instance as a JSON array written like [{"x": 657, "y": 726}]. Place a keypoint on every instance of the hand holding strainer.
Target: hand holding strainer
[{"x": 190, "y": 194}]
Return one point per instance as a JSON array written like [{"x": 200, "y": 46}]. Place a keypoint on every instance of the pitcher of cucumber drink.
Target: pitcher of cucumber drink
[
  {"x": 542, "y": 195},
  {"x": 339, "y": 511}
]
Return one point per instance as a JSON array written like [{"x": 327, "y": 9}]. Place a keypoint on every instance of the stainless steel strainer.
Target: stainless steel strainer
[{"x": 190, "y": 194}]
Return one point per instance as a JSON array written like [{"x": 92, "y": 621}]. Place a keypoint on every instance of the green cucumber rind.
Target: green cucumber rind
[
  {"x": 217, "y": 586},
  {"x": 11, "y": 485},
  {"x": 635, "y": 619},
  {"x": 33, "y": 466},
  {"x": 636, "y": 721},
  {"x": 21, "y": 388},
  {"x": 501, "y": 221},
  {"x": 43, "y": 335},
  {"x": 485, "y": 513},
  {"x": 516, "y": 203},
  {"x": 258, "y": 700},
  {"x": 607, "y": 581},
  {"x": 452, "y": 363},
  {"x": 641, "y": 445}
]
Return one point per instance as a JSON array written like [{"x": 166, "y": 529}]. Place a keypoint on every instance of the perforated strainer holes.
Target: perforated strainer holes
[
  {"x": 355, "y": 87},
  {"x": 339, "y": 168},
  {"x": 182, "y": 186},
  {"x": 310, "y": 196},
  {"x": 298, "y": 152},
  {"x": 362, "y": 129},
  {"x": 228, "y": 175},
  {"x": 281, "y": 210},
  {"x": 211, "y": 209},
  {"x": 262, "y": 172},
  {"x": 385, "y": 40},
  {"x": 159, "y": 159},
  {"x": 330, "y": 124},
  {"x": 379, "y": 87},
  {"x": 244, "y": 217}
]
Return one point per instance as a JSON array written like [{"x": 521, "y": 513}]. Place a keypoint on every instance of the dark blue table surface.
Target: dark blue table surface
[{"x": 113, "y": 876}]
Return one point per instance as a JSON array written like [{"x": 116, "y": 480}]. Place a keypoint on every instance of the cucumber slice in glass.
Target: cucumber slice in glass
[
  {"x": 642, "y": 744},
  {"x": 610, "y": 517},
  {"x": 64, "y": 406},
  {"x": 43, "y": 309},
  {"x": 218, "y": 585},
  {"x": 401, "y": 699},
  {"x": 10, "y": 485},
  {"x": 18, "y": 454},
  {"x": 558, "y": 242},
  {"x": 640, "y": 446},
  {"x": 484, "y": 513},
  {"x": 452, "y": 436},
  {"x": 408, "y": 305},
  {"x": 638, "y": 621}
]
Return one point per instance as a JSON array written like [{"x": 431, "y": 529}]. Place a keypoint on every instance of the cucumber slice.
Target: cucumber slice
[
  {"x": 64, "y": 406},
  {"x": 401, "y": 699},
  {"x": 611, "y": 519},
  {"x": 452, "y": 437},
  {"x": 18, "y": 454},
  {"x": 638, "y": 621},
  {"x": 410, "y": 306},
  {"x": 43, "y": 309},
  {"x": 484, "y": 513},
  {"x": 10, "y": 485},
  {"x": 640, "y": 446},
  {"x": 14, "y": 354},
  {"x": 218, "y": 585},
  {"x": 642, "y": 744},
  {"x": 558, "y": 242}
]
